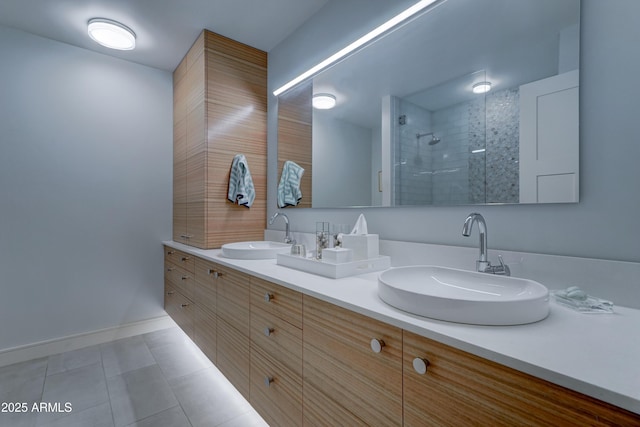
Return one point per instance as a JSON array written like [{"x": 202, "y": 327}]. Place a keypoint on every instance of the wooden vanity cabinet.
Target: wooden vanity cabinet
[
  {"x": 303, "y": 361},
  {"x": 345, "y": 382},
  {"x": 232, "y": 328},
  {"x": 276, "y": 353},
  {"x": 219, "y": 110},
  {"x": 459, "y": 389}
]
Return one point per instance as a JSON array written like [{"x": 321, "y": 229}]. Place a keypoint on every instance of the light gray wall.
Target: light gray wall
[
  {"x": 341, "y": 162},
  {"x": 85, "y": 189},
  {"x": 602, "y": 225}
]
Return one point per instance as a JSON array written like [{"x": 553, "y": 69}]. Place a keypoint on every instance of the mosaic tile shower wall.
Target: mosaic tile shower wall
[{"x": 503, "y": 134}]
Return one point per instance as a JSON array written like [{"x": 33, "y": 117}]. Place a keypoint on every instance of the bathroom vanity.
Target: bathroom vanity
[{"x": 307, "y": 350}]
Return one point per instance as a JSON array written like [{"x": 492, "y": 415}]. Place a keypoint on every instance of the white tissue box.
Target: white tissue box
[
  {"x": 337, "y": 255},
  {"x": 364, "y": 246}
]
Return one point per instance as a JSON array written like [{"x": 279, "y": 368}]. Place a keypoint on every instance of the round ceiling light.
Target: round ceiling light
[
  {"x": 323, "y": 101},
  {"x": 111, "y": 34},
  {"x": 482, "y": 87}
]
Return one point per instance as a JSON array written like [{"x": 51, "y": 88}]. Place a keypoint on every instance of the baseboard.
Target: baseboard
[{"x": 74, "y": 342}]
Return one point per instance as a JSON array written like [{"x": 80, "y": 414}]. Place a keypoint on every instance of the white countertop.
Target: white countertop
[{"x": 594, "y": 354}]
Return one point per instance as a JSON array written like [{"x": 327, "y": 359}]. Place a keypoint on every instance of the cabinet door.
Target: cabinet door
[
  {"x": 233, "y": 354},
  {"x": 196, "y": 148},
  {"x": 276, "y": 369},
  {"x": 275, "y": 299},
  {"x": 180, "y": 279},
  {"x": 205, "y": 332},
  {"x": 179, "y": 258},
  {"x": 345, "y": 382},
  {"x": 179, "y": 308},
  {"x": 275, "y": 394},
  {"x": 462, "y": 389},
  {"x": 206, "y": 296},
  {"x": 233, "y": 299},
  {"x": 180, "y": 153},
  {"x": 206, "y": 293}
]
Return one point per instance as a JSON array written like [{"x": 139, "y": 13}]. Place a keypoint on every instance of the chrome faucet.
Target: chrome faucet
[
  {"x": 287, "y": 234},
  {"x": 483, "y": 264}
]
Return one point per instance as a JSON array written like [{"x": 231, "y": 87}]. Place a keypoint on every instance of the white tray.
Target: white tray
[{"x": 334, "y": 271}]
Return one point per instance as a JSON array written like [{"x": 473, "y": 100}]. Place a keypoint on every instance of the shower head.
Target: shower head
[{"x": 434, "y": 139}]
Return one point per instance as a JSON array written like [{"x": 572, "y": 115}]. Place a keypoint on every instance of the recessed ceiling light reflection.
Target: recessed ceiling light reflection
[
  {"x": 482, "y": 87},
  {"x": 323, "y": 101}
]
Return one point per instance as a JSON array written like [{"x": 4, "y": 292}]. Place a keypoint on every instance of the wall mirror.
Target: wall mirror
[{"x": 472, "y": 102}]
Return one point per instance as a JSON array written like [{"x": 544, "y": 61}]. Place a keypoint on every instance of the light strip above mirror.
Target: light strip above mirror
[{"x": 403, "y": 16}]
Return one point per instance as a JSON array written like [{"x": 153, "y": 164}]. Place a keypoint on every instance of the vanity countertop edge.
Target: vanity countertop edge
[{"x": 594, "y": 354}]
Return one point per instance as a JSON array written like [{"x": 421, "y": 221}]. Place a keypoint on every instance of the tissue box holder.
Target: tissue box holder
[{"x": 364, "y": 246}]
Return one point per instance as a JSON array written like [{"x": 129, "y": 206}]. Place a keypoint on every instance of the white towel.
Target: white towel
[
  {"x": 241, "y": 189},
  {"x": 289, "y": 193}
]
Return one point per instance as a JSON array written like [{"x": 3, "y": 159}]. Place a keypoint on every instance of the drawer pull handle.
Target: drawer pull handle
[
  {"x": 268, "y": 297},
  {"x": 171, "y": 252},
  {"x": 217, "y": 274},
  {"x": 185, "y": 236},
  {"x": 170, "y": 269},
  {"x": 268, "y": 381},
  {"x": 185, "y": 258},
  {"x": 268, "y": 331},
  {"x": 185, "y": 277},
  {"x": 184, "y": 305},
  {"x": 420, "y": 365},
  {"x": 376, "y": 345},
  {"x": 170, "y": 293}
]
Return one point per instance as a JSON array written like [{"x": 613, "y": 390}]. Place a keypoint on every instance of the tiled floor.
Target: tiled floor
[{"x": 159, "y": 379}]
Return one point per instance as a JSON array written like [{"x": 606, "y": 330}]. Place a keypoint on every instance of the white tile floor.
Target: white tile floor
[{"x": 159, "y": 379}]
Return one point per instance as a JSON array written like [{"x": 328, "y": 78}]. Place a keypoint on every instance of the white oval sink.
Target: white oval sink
[
  {"x": 255, "y": 250},
  {"x": 464, "y": 296}
]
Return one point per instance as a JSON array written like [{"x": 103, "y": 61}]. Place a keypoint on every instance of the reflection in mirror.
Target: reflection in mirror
[
  {"x": 294, "y": 137},
  {"x": 411, "y": 128}
]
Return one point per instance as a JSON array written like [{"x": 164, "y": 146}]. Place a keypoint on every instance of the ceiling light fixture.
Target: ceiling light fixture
[
  {"x": 323, "y": 101},
  {"x": 111, "y": 34},
  {"x": 482, "y": 87},
  {"x": 403, "y": 16}
]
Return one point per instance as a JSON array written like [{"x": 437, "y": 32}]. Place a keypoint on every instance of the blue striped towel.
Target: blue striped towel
[
  {"x": 241, "y": 189},
  {"x": 289, "y": 193}
]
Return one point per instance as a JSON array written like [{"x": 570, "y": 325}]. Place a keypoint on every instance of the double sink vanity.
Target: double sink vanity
[{"x": 368, "y": 350}]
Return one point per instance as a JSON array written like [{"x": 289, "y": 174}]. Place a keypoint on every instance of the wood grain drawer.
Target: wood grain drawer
[
  {"x": 180, "y": 279},
  {"x": 345, "y": 382},
  {"x": 233, "y": 356},
  {"x": 232, "y": 303},
  {"x": 179, "y": 308},
  {"x": 179, "y": 258},
  {"x": 277, "y": 300},
  {"x": 278, "y": 339},
  {"x": 462, "y": 389},
  {"x": 205, "y": 332},
  {"x": 205, "y": 271},
  {"x": 275, "y": 394}
]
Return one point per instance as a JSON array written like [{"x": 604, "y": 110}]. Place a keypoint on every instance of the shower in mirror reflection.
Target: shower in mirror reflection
[{"x": 433, "y": 141}]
